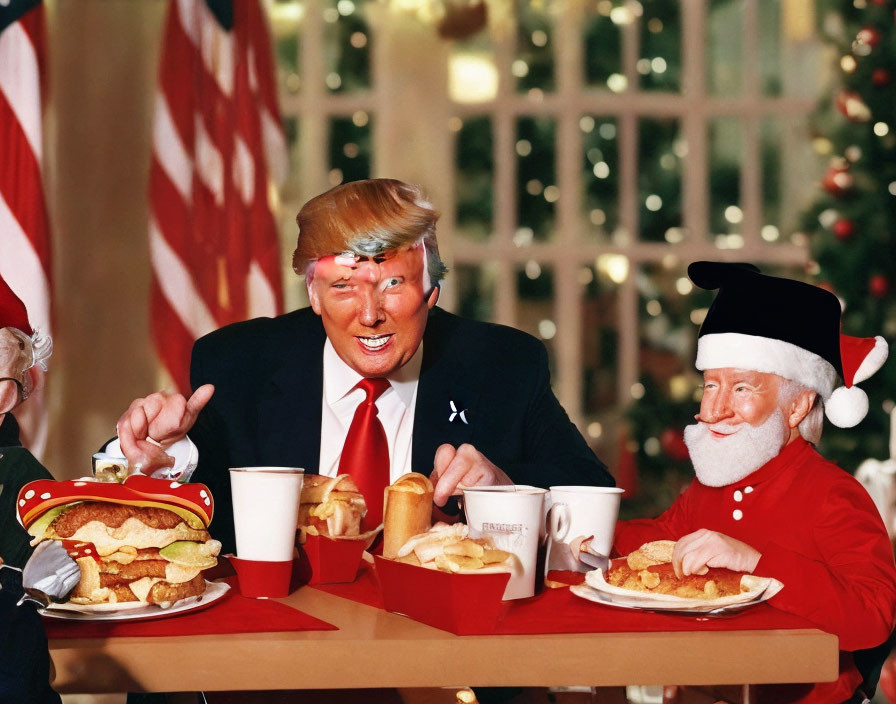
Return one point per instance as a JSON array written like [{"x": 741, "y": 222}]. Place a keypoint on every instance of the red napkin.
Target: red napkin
[{"x": 230, "y": 614}]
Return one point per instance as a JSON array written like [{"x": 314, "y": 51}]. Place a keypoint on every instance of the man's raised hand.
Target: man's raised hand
[
  {"x": 456, "y": 468},
  {"x": 153, "y": 423}
]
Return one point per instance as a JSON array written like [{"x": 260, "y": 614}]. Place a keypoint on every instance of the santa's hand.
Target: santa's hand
[
  {"x": 152, "y": 423},
  {"x": 465, "y": 466},
  {"x": 696, "y": 552}
]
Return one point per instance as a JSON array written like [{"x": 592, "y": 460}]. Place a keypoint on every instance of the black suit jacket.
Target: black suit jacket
[{"x": 266, "y": 410}]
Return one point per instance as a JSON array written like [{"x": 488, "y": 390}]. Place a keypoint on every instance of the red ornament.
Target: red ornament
[
  {"x": 673, "y": 445},
  {"x": 851, "y": 104},
  {"x": 869, "y": 35},
  {"x": 837, "y": 180},
  {"x": 879, "y": 286},
  {"x": 844, "y": 229},
  {"x": 462, "y": 18},
  {"x": 880, "y": 77}
]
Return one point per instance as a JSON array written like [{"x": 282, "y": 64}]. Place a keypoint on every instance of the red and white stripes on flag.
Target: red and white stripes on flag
[
  {"x": 24, "y": 229},
  {"x": 217, "y": 145}
]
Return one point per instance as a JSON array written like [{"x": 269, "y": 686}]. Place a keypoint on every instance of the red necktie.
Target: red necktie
[{"x": 365, "y": 454}]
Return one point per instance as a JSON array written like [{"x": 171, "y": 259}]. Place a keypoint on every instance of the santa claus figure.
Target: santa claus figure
[{"x": 764, "y": 501}]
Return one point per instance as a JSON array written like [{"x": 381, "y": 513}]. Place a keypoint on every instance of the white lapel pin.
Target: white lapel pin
[{"x": 457, "y": 414}]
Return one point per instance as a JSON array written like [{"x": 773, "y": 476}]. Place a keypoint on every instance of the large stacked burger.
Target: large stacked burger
[{"x": 145, "y": 540}]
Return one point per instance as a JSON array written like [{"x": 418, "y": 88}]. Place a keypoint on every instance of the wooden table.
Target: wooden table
[{"x": 386, "y": 650}]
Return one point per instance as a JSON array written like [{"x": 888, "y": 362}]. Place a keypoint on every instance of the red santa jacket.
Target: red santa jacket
[{"x": 818, "y": 532}]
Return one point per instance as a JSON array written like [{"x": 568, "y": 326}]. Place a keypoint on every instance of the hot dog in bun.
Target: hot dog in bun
[
  {"x": 144, "y": 540},
  {"x": 407, "y": 511},
  {"x": 649, "y": 569}
]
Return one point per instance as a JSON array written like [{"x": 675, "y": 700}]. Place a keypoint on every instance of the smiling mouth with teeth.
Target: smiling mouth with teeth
[{"x": 374, "y": 342}]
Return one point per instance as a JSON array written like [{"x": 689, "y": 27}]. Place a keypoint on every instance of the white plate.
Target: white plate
[
  {"x": 597, "y": 589},
  {"x": 133, "y": 610}
]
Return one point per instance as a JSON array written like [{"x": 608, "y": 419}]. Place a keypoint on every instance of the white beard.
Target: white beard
[{"x": 724, "y": 461}]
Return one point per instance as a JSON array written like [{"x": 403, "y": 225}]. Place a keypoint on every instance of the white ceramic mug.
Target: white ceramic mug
[
  {"x": 580, "y": 511},
  {"x": 512, "y": 516},
  {"x": 265, "y": 511}
]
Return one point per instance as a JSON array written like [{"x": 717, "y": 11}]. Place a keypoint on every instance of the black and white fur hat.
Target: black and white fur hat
[{"x": 785, "y": 327}]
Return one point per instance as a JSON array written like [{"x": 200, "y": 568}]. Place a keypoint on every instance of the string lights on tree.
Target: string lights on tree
[{"x": 852, "y": 223}]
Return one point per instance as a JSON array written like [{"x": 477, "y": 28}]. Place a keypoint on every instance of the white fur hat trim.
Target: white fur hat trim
[{"x": 765, "y": 354}]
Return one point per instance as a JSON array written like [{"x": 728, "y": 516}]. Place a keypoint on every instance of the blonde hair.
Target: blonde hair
[{"x": 367, "y": 218}]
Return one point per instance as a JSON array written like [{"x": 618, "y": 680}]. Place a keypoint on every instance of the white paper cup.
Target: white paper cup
[
  {"x": 578, "y": 511},
  {"x": 512, "y": 516},
  {"x": 265, "y": 511}
]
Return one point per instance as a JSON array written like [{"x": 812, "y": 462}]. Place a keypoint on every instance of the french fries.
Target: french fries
[{"x": 449, "y": 549}]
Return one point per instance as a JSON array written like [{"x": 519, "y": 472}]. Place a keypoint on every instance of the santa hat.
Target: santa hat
[
  {"x": 785, "y": 327},
  {"x": 13, "y": 314},
  {"x": 12, "y": 310}
]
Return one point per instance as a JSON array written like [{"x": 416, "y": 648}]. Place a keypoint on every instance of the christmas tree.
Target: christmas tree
[{"x": 853, "y": 222}]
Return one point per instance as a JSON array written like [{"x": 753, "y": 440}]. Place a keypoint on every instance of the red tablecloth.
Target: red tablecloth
[
  {"x": 561, "y": 611},
  {"x": 231, "y": 614},
  {"x": 365, "y": 589}
]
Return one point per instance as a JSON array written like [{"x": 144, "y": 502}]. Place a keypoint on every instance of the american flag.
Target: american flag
[
  {"x": 24, "y": 230},
  {"x": 217, "y": 147}
]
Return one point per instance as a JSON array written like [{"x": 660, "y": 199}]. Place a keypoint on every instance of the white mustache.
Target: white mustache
[{"x": 724, "y": 428}]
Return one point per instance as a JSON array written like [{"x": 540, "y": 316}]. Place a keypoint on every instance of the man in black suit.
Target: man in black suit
[{"x": 472, "y": 404}]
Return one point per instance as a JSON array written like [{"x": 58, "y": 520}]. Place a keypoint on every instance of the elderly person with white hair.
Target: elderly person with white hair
[
  {"x": 24, "y": 659},
  {"x": 764, "y": 501},
  {"x": 22, "y": 352}
]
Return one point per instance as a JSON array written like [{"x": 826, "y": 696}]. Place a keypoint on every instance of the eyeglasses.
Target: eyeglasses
[{"x": 21, "y": 392}]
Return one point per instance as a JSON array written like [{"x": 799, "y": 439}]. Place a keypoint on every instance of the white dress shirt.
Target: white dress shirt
[{"x": 395, "y": 409}]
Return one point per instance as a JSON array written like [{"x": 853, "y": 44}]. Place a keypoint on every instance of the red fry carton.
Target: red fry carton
[
  {"x": 333, "y": 560},
  {"x": 464, "y": 604}
]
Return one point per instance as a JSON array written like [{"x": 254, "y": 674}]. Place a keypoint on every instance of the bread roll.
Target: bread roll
[
  {"x": 658, "y": 552},
  {"x": 407, "y": 511}
]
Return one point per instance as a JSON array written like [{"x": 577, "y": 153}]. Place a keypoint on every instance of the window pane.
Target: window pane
[
  {"x": 291, "y": 190},
  {"x": 599, "y": 343},
  {"x": 475, "y": 165},
  {"x": 475, "y": 286},
  {"x": 600, "y": 176},
  {"x": 349, "y": 149},
  {"x": 286, "y": 18},
  {"x": 536, "y": 188},
  {"x": 534, "y": 64},
  {"x": 725, "y": 157},
  {"x": 348, "y": 47},
  {"x": 535, "y": 304},
  {"x": 603, "y": 46},
  {"x": 724, "y": 47},
  {"x": 770, "y": 39},
  {"x": 790, "y": 176},
  {"x": 659, "y": 178},
  {"x": 660, "y": 62}
]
